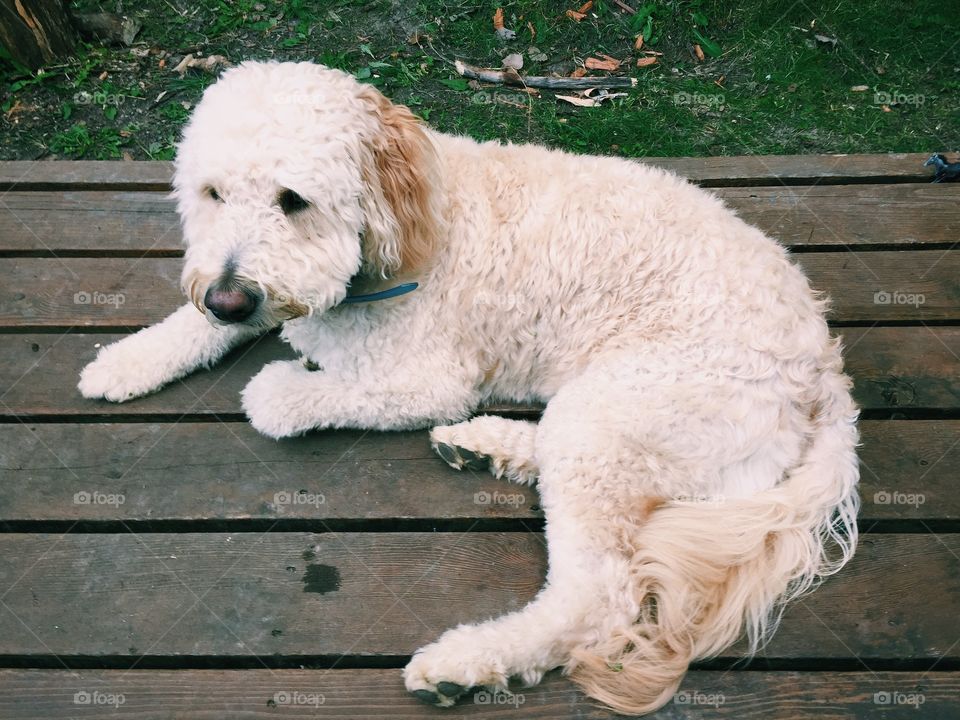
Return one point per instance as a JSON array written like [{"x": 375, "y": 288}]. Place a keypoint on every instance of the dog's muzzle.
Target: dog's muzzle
[{"x": 231, "y": 303}]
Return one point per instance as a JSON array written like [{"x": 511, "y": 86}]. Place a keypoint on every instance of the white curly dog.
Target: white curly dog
[{"x": 696, "y": 459}]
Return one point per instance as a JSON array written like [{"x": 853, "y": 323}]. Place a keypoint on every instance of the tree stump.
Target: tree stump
[{"x": 36, "y": 32}]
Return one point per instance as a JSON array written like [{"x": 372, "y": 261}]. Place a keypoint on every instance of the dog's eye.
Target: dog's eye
[
  {"x": 213, "y": 194},
  {"x": 290, "y": 202}
]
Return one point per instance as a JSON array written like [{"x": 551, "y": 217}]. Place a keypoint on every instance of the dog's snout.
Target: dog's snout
[{"x": 231, "y": 304}]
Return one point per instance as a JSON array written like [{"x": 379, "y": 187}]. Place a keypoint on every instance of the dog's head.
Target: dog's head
[{"x": 292, "y": 180}]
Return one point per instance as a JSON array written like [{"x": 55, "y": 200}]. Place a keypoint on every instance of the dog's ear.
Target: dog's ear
[{"x": 400, "y": 200}]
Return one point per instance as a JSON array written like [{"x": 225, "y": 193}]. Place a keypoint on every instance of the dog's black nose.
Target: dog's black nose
[{"x": 233, "y": 305}]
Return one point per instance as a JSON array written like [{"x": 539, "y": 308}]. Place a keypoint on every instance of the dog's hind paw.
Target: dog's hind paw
[{"x": 459, "y": 458}]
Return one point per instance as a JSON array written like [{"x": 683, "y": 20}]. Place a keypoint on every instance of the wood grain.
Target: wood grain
[
  {"x": 134, "y": 223},
  {"x": 121, "y": 292},
  {"x": 894, "y": 368},
  {"x": 367, "y": 594},
  {"x": 215, "y": 471},
  {"x": 369, "y": 694}
]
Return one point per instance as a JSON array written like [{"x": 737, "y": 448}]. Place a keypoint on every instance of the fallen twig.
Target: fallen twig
[
  {"x": 511, "y": 77},
  {"x": 623, "y": 6}
]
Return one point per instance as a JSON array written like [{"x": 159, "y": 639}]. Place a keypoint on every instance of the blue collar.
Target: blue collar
[{"x": 382, "y": 295}]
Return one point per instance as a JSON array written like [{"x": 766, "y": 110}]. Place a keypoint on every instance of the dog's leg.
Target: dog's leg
[
  {"x": 286, "y": 398},
  {"x": 505, "y": 447},
  {"x": 148, "y": 360}
]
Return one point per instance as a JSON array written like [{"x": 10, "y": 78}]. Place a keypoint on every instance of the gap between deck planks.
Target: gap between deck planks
[
  {"x": 920, "y": 285},
  {"x": 106, "y": 223},
  {"x": 201, "y": 472},
  {"x": 189, "y": 595},
  {"x": 369, "y": 694}
]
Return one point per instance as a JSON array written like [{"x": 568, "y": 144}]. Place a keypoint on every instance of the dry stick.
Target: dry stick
[
  {"x": 623, "y": 6},
  {"x": 510, "y": 77}
]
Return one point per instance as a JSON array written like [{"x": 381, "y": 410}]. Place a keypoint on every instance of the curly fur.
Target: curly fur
[{"x": 696, "y": 458}]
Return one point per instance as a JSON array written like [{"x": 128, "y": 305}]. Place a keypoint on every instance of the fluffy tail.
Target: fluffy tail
[{"x": 703, "y": 574}]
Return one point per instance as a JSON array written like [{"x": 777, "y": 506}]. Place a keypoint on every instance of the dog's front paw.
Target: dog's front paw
[
  {"x": 277, "y": 400},
  {"x": 441, "y": 672},
  {"x": 119, "y": 373}
]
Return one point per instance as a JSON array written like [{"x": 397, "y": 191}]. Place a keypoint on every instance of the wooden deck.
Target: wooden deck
[{"x": 150, "y": 568}]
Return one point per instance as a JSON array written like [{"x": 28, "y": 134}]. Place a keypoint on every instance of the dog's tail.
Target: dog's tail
[{"x": 703, "y": 573}]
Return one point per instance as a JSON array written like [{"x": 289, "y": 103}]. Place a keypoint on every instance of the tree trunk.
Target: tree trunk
[{"x": 36, "y": 32}]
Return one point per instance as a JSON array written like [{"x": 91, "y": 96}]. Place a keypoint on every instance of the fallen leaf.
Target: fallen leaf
[
  {"x": 585, "y": 8},
  {"x": 498, "y": 19},
  {"x": 578, "y": 101},
  {"x": 596, "y": 64},
  {"x": 209, "y": 64},
  {"x": 162, "y": 63},
  {"x": 698, "y": 51},
  {"x": 646, "y": 62},
  {"x": 532, "y": 29},
  {"x": 826, "y": 40},
  {"x": 103, "y": 76},
  {"x": 514, "y": 61},
  {"x": 885, "y": 108},
  {"x": 860, "y": 88},
  {"x": 578, "y": 73},
  {"x": 413, "y": 38},
  {"x": 504, "y": 34},
  {"x": 719, "y": 81},
  {"x": 639, "y": 42},
  {"x": 652, "y": 52},
  {"x": 127, "y": 156},
  {"x": 574, "y": 15}
]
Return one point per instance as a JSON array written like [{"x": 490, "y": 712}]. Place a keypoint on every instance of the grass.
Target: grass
[{"x": 767, "y": 84}]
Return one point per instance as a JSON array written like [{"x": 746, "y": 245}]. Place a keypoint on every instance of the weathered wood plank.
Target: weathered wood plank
[
  {"x": 115, "y": 292},
  {"x": 301, "y": 594},
  {"x": 133, "y": 223},
  {"x": 369, "y": 694},
  {"x": 893, "y": 368},
  {"x": 741, "y": 170},
  {"x": 213, "y": 471}
]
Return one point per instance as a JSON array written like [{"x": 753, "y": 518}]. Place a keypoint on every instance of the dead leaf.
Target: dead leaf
[
  {"x": 532, "y": 29},
  {"x": 698, "y": 51},
  {"x": 578, "y": 101},
  {"x": 639, "y": 42},
  {"x": 127, "y": 157},
  {"x": 885, "y": 108},
  {"x": 498, "y": 19},
  {"x": 578, "y": 73},
  {"x": 103, "y": 76},
  {"x": 209, "y": 64},
  {"x": 826, "y": 40},
  {"x": 646, "y": 62},
  {"x": 574, "y": 15},
  {"x": 413, "y": 38},
  {"x": 513, "y": 61},
  {"x": 719, "y": 81},
  {"x": 585, "y": 8},
  {"x": 162, "y": 63},
  {"x": 596, "y": 64},
  {"x": 652, "y": 52},
  {"x": 860, "y": 88}
]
